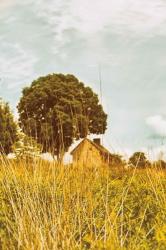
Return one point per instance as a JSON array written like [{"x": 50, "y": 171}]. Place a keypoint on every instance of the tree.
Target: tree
[
  {"x": 56, "y": 109},
  {"x": 116, "y": 160},
  {"x": 138, "y": 159},
  {"x": 26, "y": 147},
  {"x": 8, "y": 129}
]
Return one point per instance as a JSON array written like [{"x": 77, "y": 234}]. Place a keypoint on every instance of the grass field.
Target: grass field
[{"x": 46, "y": 206}]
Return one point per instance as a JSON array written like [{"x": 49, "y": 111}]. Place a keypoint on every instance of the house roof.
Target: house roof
[{"x": 102, "y": 149}]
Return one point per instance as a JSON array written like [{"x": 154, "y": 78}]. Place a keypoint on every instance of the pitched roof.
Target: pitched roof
[{"x": 102, "y": 149}]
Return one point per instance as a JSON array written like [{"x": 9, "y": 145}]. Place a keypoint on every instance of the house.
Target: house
[{"x": 91, "y": 153}]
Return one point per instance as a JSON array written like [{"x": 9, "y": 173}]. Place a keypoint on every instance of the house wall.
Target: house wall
[{"x": 87, "y": 155}]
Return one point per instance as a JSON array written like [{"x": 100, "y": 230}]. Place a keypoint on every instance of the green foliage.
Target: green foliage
[
  {"x": 8, "y": 129},
  {"x": 116, "y": 160},
  {"x": 26, "y": 148},
  {"x": 138, "y": 159},
  {"x": 57, "y": 108}
]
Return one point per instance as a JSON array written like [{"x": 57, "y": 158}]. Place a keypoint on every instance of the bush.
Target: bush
[
  {"x": 138, "y": 159},
  {"x": 8, "y": 129}
]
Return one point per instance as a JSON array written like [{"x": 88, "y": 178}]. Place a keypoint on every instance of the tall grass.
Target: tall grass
[{"x": 48, "y": 206}]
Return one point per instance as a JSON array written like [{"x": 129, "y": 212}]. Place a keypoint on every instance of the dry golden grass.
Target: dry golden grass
[{"x": 46, "y": 206}]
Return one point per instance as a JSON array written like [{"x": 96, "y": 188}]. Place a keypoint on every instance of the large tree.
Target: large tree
[
  {"x": 56, "y": 109},
  {"x": 8, "y": 129}
]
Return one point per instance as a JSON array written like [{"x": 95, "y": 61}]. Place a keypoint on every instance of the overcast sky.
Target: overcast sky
[{"x": 125, "y": 37}]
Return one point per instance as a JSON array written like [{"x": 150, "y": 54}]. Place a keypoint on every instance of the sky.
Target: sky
[{"x": 124, "y": 38}]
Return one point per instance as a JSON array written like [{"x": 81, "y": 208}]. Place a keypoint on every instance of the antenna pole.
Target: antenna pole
[
  {"x": 100, "y": 82},
  {"x": 101, "y": 94}
]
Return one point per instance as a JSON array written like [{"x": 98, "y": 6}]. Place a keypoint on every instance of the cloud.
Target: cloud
[
  {"x": 16, "y": 65},
  {"x": 101, "y": 26},
  {"x": 158, "y": 124},
  {"x": 135, "y": 17},
  {"x": 6, "y": 4}
]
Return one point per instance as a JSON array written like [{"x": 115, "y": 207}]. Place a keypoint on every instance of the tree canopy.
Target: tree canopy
[
  {"x": 57, "y": 108},
  {"x": 138, "y": 159},
  {"x": 8, "y": 129}
]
